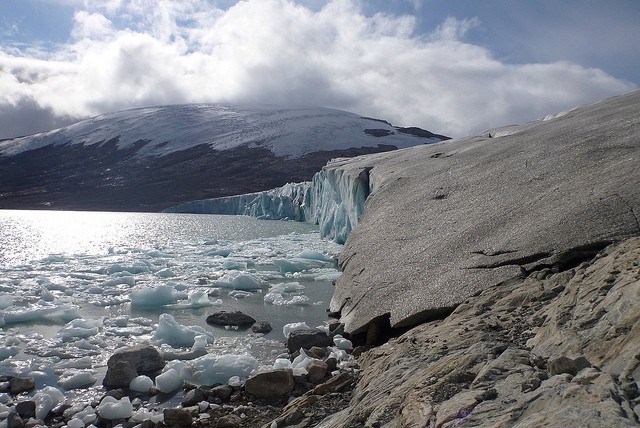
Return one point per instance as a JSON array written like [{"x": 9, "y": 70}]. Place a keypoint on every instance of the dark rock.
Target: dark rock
[
  {"x": 316, "y": 370},
  {"x": 14, "y": 421},
  {"x": 340, "y": 382},
  {"x": 119, "y": 375},
  {"x": 565, "y": 364},
  {"x": 223, "y": 392},
  {"x": 270, "y": 383},
  {"x": 225, "y": 318},
  {"x": 317, "y": 352},
  {"x": 26, "y": 409},
  {"x": 261, "y": 327},
  {"x": 332, "y": 363},
  {"x": 229, "y": 421},
  {"x": 125, "y": 364},
  {"x": 21, "y": 384},
  {"x": 177, "y": 418},
  {"x": 307, "y": 339},
  {"x": 193, "y": 397}
]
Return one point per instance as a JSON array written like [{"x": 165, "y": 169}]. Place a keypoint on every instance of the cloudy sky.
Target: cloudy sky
[{"x": 451, "y": 66}]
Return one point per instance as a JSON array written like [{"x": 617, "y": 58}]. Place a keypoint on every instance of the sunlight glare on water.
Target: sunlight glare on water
[{"x": 62, "y": 267}]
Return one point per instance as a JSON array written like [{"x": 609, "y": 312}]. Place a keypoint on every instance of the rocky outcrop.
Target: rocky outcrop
[
  {"x": 557, "y": 348},
  {"x": 445, "y": 221}
]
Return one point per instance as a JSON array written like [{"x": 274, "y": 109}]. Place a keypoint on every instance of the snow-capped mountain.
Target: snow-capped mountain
[{"x": 150, "y": 158}]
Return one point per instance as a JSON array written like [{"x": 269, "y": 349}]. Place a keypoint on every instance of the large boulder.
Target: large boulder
[
  {"x": 127, "y": 363},
  {"x": 271, "y": 383},
  {"x": 225, "y": 318},
  {"x": 445, "y": 221},
  {"x": 307, "y": 339}
]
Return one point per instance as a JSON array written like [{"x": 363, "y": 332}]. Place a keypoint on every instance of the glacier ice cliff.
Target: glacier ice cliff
[{"x": 334, "y": 200}]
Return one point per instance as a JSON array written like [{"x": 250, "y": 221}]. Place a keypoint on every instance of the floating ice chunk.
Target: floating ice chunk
[
  {"x": 177, "y": 335},
  {"x": 134, "y": 269},
  {"x": 222, "y": 252},
  {"x": 141, "y": 383},
  {"x": 287, "y": 287},
  {"x": 239, "y": 294},
  {"x": 240, "y": 281},
  {"x": 112, "y": 408},
  {"x": 342, "y": 343},
  {"x": 282, "y": 363},
  {"x": 278, "y": 299},
  {"x": 197, "y": 299},
  {"x": 75, "y": 363},
  {"x": 169, "y": 381},
  {"x": 211, "y": 369},
  {"x": 80, "y": 328},
  {"x": 165, "y": 273},
  {"x": 235, "y": 265},
  {"x": 6, "y": 300},
  {"x": 46, "y": 399},
  {"x": 40, "y": 311},
  {"x": 288, "y": 328},
  {"x": 314, "y": 255},
  {"x": 156, "y": 296},
  {"x": 87, "y": 345},
  {"x": 199, "y": 343},
  {"x": 123, "y": 280},
  {"x": 296, "y": 264},
  {"x": 74, "y": 379},
  {"x": 8, "y": 352}
]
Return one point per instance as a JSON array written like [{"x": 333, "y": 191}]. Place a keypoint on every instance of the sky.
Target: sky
[{"x": 455, "y": 67}]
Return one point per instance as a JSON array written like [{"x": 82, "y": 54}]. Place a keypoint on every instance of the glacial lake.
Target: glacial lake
[{"x": 74, "y": 286}]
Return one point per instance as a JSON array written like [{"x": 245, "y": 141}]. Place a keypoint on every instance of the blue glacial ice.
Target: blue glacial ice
[{"x": 334, "y": 200}]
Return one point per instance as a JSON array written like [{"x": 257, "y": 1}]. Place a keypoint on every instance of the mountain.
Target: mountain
[{"x": 148, "y": 159}]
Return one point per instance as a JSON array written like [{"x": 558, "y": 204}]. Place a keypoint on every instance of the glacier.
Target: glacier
[{"x": 333, "y": 199}]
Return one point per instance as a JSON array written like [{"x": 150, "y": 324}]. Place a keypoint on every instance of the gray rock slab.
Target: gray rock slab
[{"x": 447, "y": 220}]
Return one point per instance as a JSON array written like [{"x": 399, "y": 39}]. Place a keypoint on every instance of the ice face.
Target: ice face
[{"x": 334, "y": 200}]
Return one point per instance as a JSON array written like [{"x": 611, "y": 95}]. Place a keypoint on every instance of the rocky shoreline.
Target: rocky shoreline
[{"x": 553, "y": 348}]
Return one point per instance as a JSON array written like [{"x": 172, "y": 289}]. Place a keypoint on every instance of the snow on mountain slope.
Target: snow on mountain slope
[
  {"x": 148, "y": 159},
  {"x": 286, "y": 131}
]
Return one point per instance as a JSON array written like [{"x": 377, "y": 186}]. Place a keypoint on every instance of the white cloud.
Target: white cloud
[{"x": 146, "y": 52}]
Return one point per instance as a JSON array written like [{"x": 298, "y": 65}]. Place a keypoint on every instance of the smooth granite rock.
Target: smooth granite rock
[
  {"x": 445, "y": 221},
  {"x": 553, "y": 350}
]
